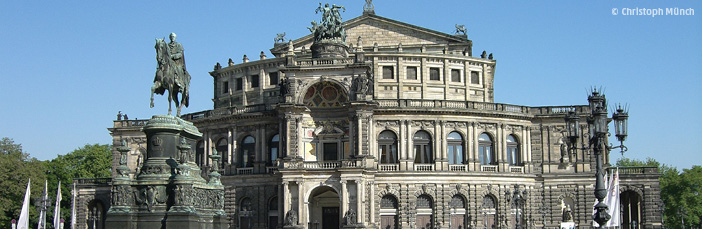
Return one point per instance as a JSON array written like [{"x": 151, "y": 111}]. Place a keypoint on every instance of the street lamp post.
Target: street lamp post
[
  {"x": 597, "y": 138},
  {"x": 518, "y": 199}
]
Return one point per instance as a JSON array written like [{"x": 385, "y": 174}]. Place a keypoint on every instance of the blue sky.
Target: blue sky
[{"x": 67, "y": 67}]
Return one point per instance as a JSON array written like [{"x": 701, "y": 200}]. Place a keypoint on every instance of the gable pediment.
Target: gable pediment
[{"x": 385, "y": 32}]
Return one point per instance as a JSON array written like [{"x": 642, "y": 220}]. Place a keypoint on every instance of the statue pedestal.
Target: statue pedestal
[
  {"x": 169, "y": 191},
  {"x": 329, "y": 49}
]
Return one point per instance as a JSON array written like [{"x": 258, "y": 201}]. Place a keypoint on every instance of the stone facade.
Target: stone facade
[{"x": 401, "y": 131}]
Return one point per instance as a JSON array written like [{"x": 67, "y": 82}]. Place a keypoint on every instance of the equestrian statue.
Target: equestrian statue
[{"x": 171, "y": 74}]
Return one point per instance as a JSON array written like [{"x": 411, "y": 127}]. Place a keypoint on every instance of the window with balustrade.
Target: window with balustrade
[
  {"x": 425, "y": 207},
  {"x": 388, "y": 212},
  {"x": 486, "y": 149},
  {"x": 245, "y": 213},
  {"x": 223, "y": 150},
  {"x": 199, "y": 153},
  {"x": 247, "y": 152},
  {"x": 387, "y": 147},
  {"x": 454, "y": 142},
  {"x": 457, "y": 210},
  {"x": 273, "y": 150},
  {"x": 513, "y": 154},
  {"x": 273, "y": 213},
  {"x": 422, "y": 148}
]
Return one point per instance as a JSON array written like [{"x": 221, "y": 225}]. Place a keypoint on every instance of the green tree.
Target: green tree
[
  {"x": 90, "y": 161},
  {"x": 16, "y": 167}
]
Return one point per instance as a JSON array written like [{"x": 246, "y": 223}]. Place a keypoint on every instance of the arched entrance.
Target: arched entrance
[
  {"x": 631, "y": 210},
  {"x": 324, "y": 208},
  {"x": 96, "y": 215}
]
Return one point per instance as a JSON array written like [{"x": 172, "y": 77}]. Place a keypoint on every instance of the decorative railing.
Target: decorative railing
[
  {"x": 458, "y": 168},
  {"x": 321, "y": 164},
  {"x": 516, "y": 169},
  {"x": 468, "y": 105},
  {"x": 488, "y": 168},
  {"x": 388, "y": 167},
  {"x": 271, "y": 169},
  {"x": 244, "y": 171},
  {"x": 227, "y": 111},
  {"x": 130, "y": 123},
  {"x": 92, "y": 181},
  {"x": 559, "y": 110},
  {"x": 349, "y": 163},
  {"x": 318, "y": 62},
  {"x": 633, "y": 170},
  {"x": 424, "y": 167}
]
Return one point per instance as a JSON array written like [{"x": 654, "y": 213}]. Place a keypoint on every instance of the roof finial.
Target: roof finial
[{"x": 369, "y": 8}]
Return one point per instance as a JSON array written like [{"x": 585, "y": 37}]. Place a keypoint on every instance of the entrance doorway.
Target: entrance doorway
[
  {"x": 324, "y": 208},
  {"x": 330, "y": 217}
]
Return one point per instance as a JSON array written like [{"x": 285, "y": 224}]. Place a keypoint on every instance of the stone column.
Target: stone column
[
  {"x": 372, "y": 203},
  {"x": 344, "y": 197},
  {"x": 301, "y": 204},
  {"x": 476, "y": 153},
  {"x": 359, "y": 204}
]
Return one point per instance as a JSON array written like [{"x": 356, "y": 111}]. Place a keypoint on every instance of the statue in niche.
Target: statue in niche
[
  {"x": 360, "y": 84},
  {"x": 171, "y": 74},
  {"x": 350, "y": 217},
  {"x": 567, "y": 214},
  {"x": 291, "y": 218},
  {"x": 284, "y": 86}
]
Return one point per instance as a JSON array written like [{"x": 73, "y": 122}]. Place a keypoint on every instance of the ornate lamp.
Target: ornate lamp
[
  {"x": 573, "y": 127},
  {"x": 620, "y": 123},
  {"x": 598, "y": 133}
]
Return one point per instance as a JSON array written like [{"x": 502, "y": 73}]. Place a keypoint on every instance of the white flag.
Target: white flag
[
  {"x": 57, "y": 209},
  {"x": 23, "y": 222},
  {"x": 614, "y": 201},
  {"x": 73, "y": 206},
  {"x": 42, "y": 213}
]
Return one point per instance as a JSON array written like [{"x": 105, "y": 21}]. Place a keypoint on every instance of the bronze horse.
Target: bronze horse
[{"x": 171, "y": 77}]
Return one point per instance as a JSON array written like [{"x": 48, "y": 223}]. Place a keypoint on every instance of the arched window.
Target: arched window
[
  {"x": 273, "y": 212},
  {"x": 248, "y": 151},
  {"x": 199, "y": 153},
  {"x": 388, "y": 212},
  {"x": 422, "y": 148},
  {"x": 223, "y": 150},
  {"x": 458, "y": 212},
  {"x": 387, "y": 147},
  {"x": 455, "y": 148},
  {"x": 245, "y": 213},
  {"x": 489, "y": 212},
  {"x": 486, "y": 150},
  {"x": 513, "y": 153},
  {"x": 425, "y": 205},
  {"x": 273, "y": 152}
]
